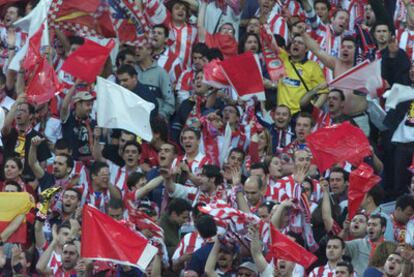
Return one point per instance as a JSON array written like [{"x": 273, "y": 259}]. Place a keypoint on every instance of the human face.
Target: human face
[
  {"x": 190, "y": 142},
  {"x": 263, "y": 213},
  {"x": 60, "y": 169},
  {"x": 337, "y": 182},
  {"x": 281, "y": 117},
  {"x": 334, "y": 250},
  {"x": 340, "y": 22},
  {"x": 382, "y": 34},
  {"x": 335, "y": 103},
  {"x": 266, "y": 6},
  {"x": 227, "y": 29},
  {"x": 374, "y": 229},
  {"x": 298, "y": 48},
  {"x": 230, "y": 115},
  {"x": 235, "y": 160},
  {"x": 358, "y": 227},
  {"x": 302, "y": 158},
  {"x": 342, "y": 271},
  {"x": 224, "y": 259},
  {"x": 69, "y": 256},
  {"x": 63, "y": 235},
  {"x": 22, "y": 114},
  {"x": 252, "y": 191},
  {"x": 322, "y": 11},
  {"x": 11, "y": 170},
  {"x": 244, "y": 272},
  {"x": 347, "y": 51},
  {"x": 142, "y": 52},
  {"x": 125, "y": 137},
  {"x": 117, "y": 214},
  {"x": 403, "y": 216},
  {"x": 206, "y": 184},
  {"x": 393, "y": 265},
  {"x": 127, "y": 81},
  {"x": 70, "y": 201},
  {"x": 166, "y": 155},
  {"x": 285, "y": 268},
  {"x": 158, "y": 38},
  {"x": 200, "y": 88},
  {"x": 84, "y": 108},
  {"x": 253, "y": 26},
  {"x": 131, "y": 156},
  {"x": 275, "y": 167},
  {"x": 262, "y": 142},
  {"x": 251, "y": 44},
  {"x": 307, "y": 189},
  {"x": 369, "y": 15},
  {"x": 199, "y": 61},
  {"x": 129, "y": 59},
  {"x": 102, "y": 178},
  {"x": 179, "y": 13},
  {"x": 181, "y": 218},
  {"x": 12, "y": 14},
  {"x": 303, "y": 128}
]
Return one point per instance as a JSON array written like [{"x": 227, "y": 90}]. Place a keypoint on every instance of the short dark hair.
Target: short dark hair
[
  {"x": 233, "y": 106},
  {"x": 122, "y": 56},
  {"x": 237, "y": 150},
  {"x": 268, "y": 205},
  {"x": 69, "y": 160},
  {"x": 128, "y": 69},
  {"x": 78, "y": 194},
  {"x": 200, "y": 48},
  {"x": 96, "y": 167},
  {"x": 377, "y": 194},
  {"x": 382, "y": 219},
  {"x": 213, "y": 171},
  {"x": 260, "y": 165},
  {"x": 62, "y": 144},
  {"x": 405, "y": 201},
  {"x": 178, "y": 206},
  {"x": 328, "y": 5},
  {"x": 348, "y": 265},
  {"x": 338, "y": 169},
  {"x": 341, "y": 93},
  {"x": 134, "y": 143},
  {"x": 64, "y": 224},
  {"x": 306, "y": 115},
  {"x": 338, "y": 238},
  {"x": 349, "y": 38},
  {"x": 115, "y": 204},
  {"x": 162, "y": 26},
  {"x": 215, "y": 53},
  {"x": 338, "y": 10},
  {"x": 133, "y": 178},
  {"x": 20, "y": 11},
  {"x": 206, "y": 226},
  {"x": 190, "y": 129},
  {"x": 159, "y": 126}
]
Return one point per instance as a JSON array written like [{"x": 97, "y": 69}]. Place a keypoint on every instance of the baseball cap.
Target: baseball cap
[
  {"x": 250, "y": 266},
  {"x": 83, "y": 96}
]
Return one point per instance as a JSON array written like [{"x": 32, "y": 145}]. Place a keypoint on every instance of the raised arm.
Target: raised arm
[
  {"x": 41, "y": 265},
  {"x": 34, "y": 164},
  {"x": 326, "y": 206},
  {"x": 276, "y": 218},
  {"x": 64, "y": 111},
  {"x": 210, "y": 267},
  {"x": 256, "y": 249},
  {"x": 8, "y": 121},
  {"x": 142, "y": 192},
  {"x": 200, "y": 21},
  {"x": 168, "y": 182},
  {"x": 312, "y": 45},
  {"x": 12, "y": 227},
  {"x": 97, "y": 147}
]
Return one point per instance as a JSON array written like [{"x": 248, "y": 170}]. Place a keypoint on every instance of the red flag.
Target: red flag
[
  {"x": 285, "y": 248},
  {"x": 44, "y": 84},
  {"x": 33, "y": 52},
  {"x": 338, "y": 143},
  {"x": 88, "y": 60},
  {"x": 224, "y": 42},
  {"x": 361, "y": 180},
  {"x": 214, "y": 76},
  {"x": 105, "y": 239},
  {"x": 243, "y": 73}
]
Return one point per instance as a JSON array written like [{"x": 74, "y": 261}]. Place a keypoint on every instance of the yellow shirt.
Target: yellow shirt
[{"x": 290, "y": 89}]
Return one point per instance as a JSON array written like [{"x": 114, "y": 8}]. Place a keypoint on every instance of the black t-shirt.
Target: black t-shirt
[
  {"x": 110, "y": 152},
  {"x": 79, "y": 134},
  {"x": 19, "y": 146}
]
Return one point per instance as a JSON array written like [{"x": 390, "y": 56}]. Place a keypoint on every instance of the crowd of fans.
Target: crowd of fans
[{"x": 209, "y": 146}]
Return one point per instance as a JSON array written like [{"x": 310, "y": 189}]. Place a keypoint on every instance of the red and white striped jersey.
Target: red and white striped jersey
[
  {"x": 322, "y": 271},
  {"x": 171, "y": 63},
  {"x": 329, "y": 42},
  {"x": 322, "y": 119},
  {"x": 277, "y": 23},
  {"x": 78, "y": 169},
  {"x": 293, "y": 7},
  {"x": 119, "y": 176},
  {"x": 275, "y": 191},
  {"x": 4, "y": 52},
  {"x": 406, "y": 42},
  {"x": 184, "y": 85},
  {"x": 190, "y": 243},
  {"x": 97, "y": 199},
  {"x": 290, "y": 187},
  {"x": 195, "y": 166},
  {"x": 356, "y": 11},
  {"x": 195, "y": 195},
  {"x": 400, "y": 14}
]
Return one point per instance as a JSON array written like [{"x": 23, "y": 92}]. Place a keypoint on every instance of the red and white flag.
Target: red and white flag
[
  {"x": 245, "y": 76},
  {"x": 105, "y": 239},
  {"x": 214, "y": 76},
  {"x": 364, "y": 77}
]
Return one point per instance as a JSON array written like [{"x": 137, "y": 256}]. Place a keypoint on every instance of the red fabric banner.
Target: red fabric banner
[
  {"x": 338, "y": 143},
  {"x": 88, "y": 60}
]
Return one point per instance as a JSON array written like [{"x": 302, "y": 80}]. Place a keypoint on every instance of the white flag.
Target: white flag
[
  {"x": 31, "y": 24},
  {"x": 365, "y": 77},
  {"x": 397, "y": 94},
  {"x": 118, "y": 107}
]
